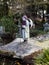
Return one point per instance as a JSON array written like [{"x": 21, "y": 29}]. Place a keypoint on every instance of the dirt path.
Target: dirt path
[{"x": 44, "y": 44}]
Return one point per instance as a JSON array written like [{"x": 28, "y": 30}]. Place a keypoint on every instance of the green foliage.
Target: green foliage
[
  {"x": 8, "y": 23},
  {"x": 17, "y": 15},
  {"x": 43, "y": 58},
  {"x": 36, "y": 32},
  {"x": 3, "y": 9}
]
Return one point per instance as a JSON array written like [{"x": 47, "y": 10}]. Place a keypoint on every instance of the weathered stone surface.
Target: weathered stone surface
[{"x": 20, "y": 49}]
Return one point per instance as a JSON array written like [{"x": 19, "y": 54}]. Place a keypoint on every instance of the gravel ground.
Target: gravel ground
[
  {"x": 41, "y": 41},
  {"x": 44, "y": 44}
]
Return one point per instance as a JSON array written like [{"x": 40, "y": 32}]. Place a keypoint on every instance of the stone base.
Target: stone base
[{"x": 22, "y": 49}]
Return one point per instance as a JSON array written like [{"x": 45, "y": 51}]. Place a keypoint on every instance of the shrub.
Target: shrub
[
  {"x": 8, "y": 23},
  {"x": 43, "y": 58},
  {"x": 36, "y": 32}
]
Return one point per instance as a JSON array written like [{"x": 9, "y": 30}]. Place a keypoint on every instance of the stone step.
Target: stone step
[{"x": 22, "y": 49}]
